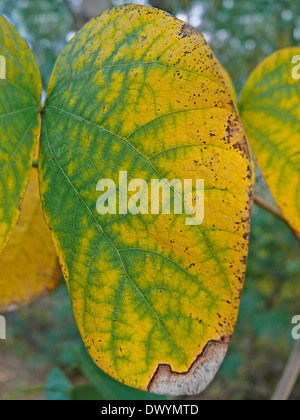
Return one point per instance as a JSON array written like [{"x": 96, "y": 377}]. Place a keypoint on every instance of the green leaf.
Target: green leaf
[
  {"x": 270, "y": 111},
  {"x": 20, "y": 92},
  {"x": 57, "y": 386},
  {"x": 155, "y": 299},
  {"x": 85, "y": 393}
]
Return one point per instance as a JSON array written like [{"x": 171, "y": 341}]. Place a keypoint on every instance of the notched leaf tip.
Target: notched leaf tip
[{"x": 197, "y": 378}]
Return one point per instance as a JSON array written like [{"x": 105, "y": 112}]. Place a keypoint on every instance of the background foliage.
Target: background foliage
[{"x": 43, "y": 337}]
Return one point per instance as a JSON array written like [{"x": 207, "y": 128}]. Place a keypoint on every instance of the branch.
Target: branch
[
  {"x": 292, "y": 369},
  {"x": 289, "y": 376},
  {"x": 261, "y": 203},
  {"x": 78, "y": 18}
]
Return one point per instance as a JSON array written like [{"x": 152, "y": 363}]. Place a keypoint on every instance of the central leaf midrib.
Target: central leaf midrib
[{"x": 152, "y": 167}]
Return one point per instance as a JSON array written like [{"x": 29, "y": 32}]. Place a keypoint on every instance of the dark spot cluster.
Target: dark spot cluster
[{"x": 187, "y": 30}]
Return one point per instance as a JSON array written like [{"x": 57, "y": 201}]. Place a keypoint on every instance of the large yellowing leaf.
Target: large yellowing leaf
[
  {"x": 20, "y": 92},
  {"x": 155, "y": 299},
  {"x": 28, "y": 265},
  {"x": 270, "y": 111}
]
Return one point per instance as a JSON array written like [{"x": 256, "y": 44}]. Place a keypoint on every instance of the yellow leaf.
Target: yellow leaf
[
  {"x": 140, "y": 91},
  {"x": 28, "y": 265},
  {"x": 270, "y": 111}
]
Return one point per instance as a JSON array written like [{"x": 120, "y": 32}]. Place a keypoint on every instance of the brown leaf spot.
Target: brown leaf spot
[{"x": 187, "y": 30}]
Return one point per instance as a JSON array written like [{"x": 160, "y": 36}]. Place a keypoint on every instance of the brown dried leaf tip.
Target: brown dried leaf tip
[{"x": 198, "y": 377}]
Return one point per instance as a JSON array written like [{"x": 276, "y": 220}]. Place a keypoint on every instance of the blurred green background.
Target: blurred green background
[{"x": 43, "y": 355}]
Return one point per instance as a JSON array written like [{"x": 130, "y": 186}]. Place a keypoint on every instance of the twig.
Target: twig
[
  {"x": 78, "y": 18},
  {"x": 289, "y": 376},
  {"x": 292, "y": 369},
  {"x": 261, "y": 203}
]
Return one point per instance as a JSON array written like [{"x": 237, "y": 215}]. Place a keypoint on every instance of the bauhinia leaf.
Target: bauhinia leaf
[
  {"x": 20, "y": 92},
  {"x": 28, "y": 265},
  {"x": 270, "y": 111},
  {"x": 155, "y": 299}
]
